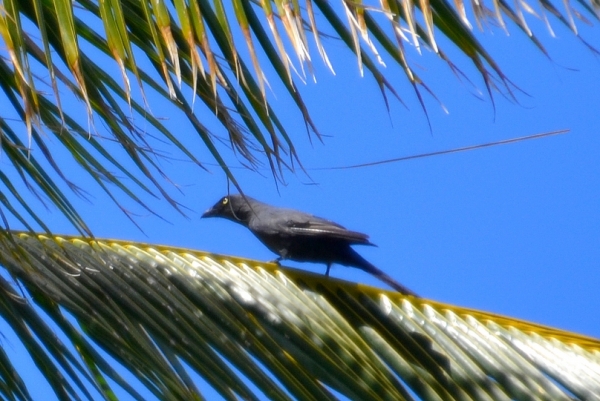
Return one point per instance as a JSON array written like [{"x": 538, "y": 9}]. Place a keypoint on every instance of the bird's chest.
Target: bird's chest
[{"x": 277, "y": 243}]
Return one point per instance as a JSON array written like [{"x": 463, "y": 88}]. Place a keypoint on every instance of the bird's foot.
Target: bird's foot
[{"x": 276, "y": 261}]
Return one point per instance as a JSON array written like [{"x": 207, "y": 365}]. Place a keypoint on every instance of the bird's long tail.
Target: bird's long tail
[{"x": 365, "y": 265}]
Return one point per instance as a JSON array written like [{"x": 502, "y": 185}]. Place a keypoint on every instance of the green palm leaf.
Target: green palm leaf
[{"x": 292, "y": 334}]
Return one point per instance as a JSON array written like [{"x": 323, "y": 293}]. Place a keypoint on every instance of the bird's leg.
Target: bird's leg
[
  {"x": 282, "y": 255},
  {"x": 276, "y": 261},
  {"x": 328, "y": 267}
]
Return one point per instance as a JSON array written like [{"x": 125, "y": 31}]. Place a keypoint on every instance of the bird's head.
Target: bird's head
[{"x": 232, "y": 207}]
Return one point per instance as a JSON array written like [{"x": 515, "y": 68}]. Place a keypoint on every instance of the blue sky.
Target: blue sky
[{"x": 513, "y": 229}]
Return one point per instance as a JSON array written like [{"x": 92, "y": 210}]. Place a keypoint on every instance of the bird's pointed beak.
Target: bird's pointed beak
[{"x": 209, "y": 213}]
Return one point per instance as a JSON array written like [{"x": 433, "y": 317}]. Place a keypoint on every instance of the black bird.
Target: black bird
[{"x": 299, "y": 236}]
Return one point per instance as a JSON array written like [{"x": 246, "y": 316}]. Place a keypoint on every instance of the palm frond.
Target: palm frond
[
  {"x": 55, "y": 53},
  {"x": 163, "y": 313}
]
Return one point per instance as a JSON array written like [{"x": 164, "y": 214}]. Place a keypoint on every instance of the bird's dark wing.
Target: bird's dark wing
[
  {"x": 317, "y": 227},
  {"x": 293, "y": 223}
]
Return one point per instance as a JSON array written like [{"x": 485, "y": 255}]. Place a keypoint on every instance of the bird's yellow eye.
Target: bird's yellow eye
[{"x": 225, "y": 201}]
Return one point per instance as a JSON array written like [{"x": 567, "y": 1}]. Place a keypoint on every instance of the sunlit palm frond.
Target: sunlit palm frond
[{"x": 164, "y": 313}]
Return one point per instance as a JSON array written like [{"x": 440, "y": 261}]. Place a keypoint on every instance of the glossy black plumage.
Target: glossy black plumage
[{"x": 299, "y": 236}]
